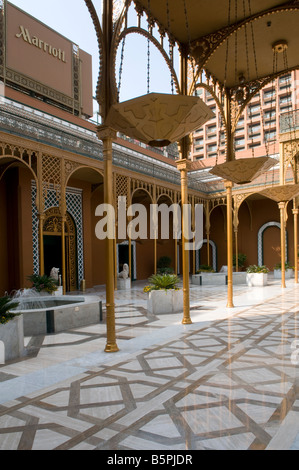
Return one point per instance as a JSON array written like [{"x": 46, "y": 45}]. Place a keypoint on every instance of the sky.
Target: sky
[{"x": 71, "y": 19}]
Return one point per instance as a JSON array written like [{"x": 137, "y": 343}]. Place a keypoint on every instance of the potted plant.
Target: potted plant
[
  {"x": 163, "y": 265},
  {"x": 11, "y": 330},
  {"x": 163, "y": 294},
  {"x": 205, "y": 268},
  {"x": 206, "y": 276},
  {"x": 257, "y": 275},
  {"x": 288, "y": 271},
  {"x": 241, "y": 260},
  {"x": 43, "y": 283}
]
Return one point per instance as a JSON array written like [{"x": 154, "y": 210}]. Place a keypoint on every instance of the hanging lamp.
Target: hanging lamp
[
  {"x": 158, "y": 119},
  {"x": 244, "y": 170},
  {"x": 281, "y": 193}
]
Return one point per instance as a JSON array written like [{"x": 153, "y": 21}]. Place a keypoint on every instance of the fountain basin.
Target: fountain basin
[{"x": 60, "y": 313}]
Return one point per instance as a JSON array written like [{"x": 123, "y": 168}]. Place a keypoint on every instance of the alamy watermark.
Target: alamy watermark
[{"x": 143, "y": 223}]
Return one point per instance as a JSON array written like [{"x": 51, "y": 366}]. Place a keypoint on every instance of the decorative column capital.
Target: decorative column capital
[
  {"x": 295, "y": 211},
  {"x": 228, "y": 184},
  {"x": 183, "y": 164},
  {"x": 281, "y": 205},
  {"x": 106, "y": 132}
]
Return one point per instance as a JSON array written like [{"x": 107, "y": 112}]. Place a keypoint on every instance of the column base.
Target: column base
[{"x": 111, "y": 348}]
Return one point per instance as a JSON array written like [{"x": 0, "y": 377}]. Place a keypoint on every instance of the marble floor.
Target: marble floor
[{"x": 227, "y": 381}]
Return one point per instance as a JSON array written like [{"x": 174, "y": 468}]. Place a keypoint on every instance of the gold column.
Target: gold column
[
  {"x": 41, "y": 218},
  {"x": 282, "y": 206},
  {"x": 115, "y": 259},
  {"x": 229, "y": 222},
  {"x": 193, "y": 229},
  {"x": 295, "y": 212},
  {"x": 236, "y": 249},
  {"x": 208, "y": 227},
  {"x": 63, "y": 220},
  {"x": 41, "y": 215},
  {"x": 235, "y": 225},
  {"x": 107, "y": 135},
  {"x": 183, "y": 166}
]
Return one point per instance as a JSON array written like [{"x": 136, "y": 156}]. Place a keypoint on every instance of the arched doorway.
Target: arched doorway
[
  {"x": 123, "y": 257},
  {"x": 16, "y": 244},
  {"x": 269, "y": 248},
  {"x": 52, "y": 233}
]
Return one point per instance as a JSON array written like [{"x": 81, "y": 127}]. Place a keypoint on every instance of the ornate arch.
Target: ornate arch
[
  {"x": 5, "y": 166},
  {"x": 214, "y": 254},
  {"x": 53, "y": 226},
  {"x": 155, "y": 42},
  {"x": 142, "y": 188},
  {"x": 260, "y": 253},
  {"x": 70, "y": 167}
]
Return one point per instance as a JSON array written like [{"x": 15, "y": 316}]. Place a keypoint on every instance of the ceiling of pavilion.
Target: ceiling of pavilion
[{"x": 233, "y": 38}]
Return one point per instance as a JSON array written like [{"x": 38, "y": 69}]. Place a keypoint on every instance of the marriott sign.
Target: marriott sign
[{"x": 44, "y": 46}]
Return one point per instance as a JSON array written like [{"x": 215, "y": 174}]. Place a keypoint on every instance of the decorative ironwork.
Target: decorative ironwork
[
  {"x": 74, "y": 209},
  {"x": 53, "y": 225}
]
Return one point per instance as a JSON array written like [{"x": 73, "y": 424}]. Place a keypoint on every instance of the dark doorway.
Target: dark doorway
[
  {"x": 52, "y": 253},
  {"x": 123, "y": 257}
]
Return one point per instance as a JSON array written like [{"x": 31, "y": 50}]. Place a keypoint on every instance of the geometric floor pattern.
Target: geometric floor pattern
[{"x": 228, "y": 381}]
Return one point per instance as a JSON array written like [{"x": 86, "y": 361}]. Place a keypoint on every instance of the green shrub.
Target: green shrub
[
  {"x": 205, "y": 268},
  {"x": 163, "y": 265},
  {"x": 241, "y": 260},
  {"x": 43, "y": 283},
  {"x": 287, "y": 266},
  {"x": 164, "y": 262},
  {"x": 165, "y": 270},
  {"x": 6, "y": 305},
  {"x": 162, "y": 282},
  {"x": 257, "y": 269}
]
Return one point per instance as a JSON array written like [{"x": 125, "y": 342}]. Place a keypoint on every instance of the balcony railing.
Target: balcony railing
[
  {"x": 289, "y": 121},
  {"x": 79, "y": 141}
]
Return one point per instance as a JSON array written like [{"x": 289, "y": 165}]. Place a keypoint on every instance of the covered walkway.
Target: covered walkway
[{"x": 228, "y": 381}]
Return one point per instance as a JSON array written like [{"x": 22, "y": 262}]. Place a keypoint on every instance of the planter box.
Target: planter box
[
  {"x": 165, "y": 301},
  {"x": 256, "y": 279},
  {"x": 59, "y": 291},
  {"x": 196, "y": 279},
  {"x": 209, "y": 279},
  {"x": 239, "y": 278},
  {"x": 288, "y": 273},
  {"x": 12, "y": 339},
  {"x": 217, "y": 279}
]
